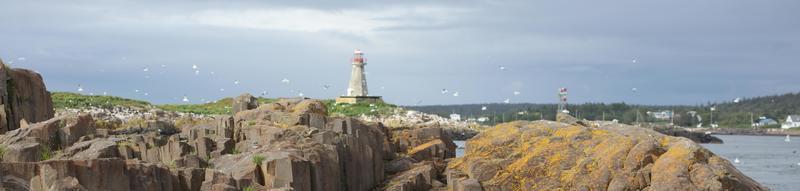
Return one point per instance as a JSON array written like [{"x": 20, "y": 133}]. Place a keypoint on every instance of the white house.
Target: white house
[
  {"x": 455, "y": 117},
  {"x": 661, "y": 115},
  {"x": 792, "y": 121}
]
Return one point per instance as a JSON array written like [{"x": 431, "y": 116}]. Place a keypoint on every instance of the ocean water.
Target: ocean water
[
  {"x": 461, "y": 146},
  {"x": 767, "y": 159}
]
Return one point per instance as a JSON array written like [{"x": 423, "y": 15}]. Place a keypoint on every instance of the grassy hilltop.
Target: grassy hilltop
[{"x": 63, "y": 100}]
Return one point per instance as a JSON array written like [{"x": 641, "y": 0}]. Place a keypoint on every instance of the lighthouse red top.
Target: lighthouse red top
[{"x": 358, "y": 56}]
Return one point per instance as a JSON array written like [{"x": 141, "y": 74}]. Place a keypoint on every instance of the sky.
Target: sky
[{"x": 633, "y": 51}]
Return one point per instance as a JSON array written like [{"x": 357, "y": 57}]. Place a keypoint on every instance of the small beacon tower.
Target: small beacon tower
[
  {"x": 562, "y": 100},
  {"x": 357, "y": 92}
]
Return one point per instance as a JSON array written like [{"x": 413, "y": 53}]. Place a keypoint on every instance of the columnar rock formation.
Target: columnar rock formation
[
  {"x": 289, "y": 144},
  {"x": 23, "y": 98},
  {"x": 244, "y": 102},
  {"x": 581, "y": 155}
]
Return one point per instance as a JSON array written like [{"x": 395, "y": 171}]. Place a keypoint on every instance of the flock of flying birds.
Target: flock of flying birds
[
  {"x": 196, "y": 70},
  {"x": 264, "y": 93}
]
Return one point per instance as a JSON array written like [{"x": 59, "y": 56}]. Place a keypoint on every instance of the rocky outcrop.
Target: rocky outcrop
[
  {"x": 410, "y": 139},
  {"x": 698, "y": 137},
  {"x": 37, "y": 141},
  {"x": 94, "y": 174},
  {"x": 285, "y": 145},
  {"x": 423, "y": 176},
  {"x": 23, "y": 98},
  {"x": 545, "y": 155},
  {"x": 404, "y": 119},
  {"x": 91, "y": 149},
  {"x": 244, "y": 102}
]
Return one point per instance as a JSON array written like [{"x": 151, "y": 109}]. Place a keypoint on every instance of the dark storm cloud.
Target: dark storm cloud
[{"x": 686, "y": 52}]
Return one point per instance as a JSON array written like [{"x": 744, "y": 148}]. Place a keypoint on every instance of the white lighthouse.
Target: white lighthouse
[
  {"x": 357, "y": 91},
  {"x": 358, "y": 80}
]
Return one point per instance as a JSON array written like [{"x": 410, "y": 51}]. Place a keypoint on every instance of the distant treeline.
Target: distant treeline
[{"x": 727, "y": 114}]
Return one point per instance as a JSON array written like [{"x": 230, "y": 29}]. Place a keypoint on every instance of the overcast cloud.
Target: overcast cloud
[{"x": 672, "y": 52}]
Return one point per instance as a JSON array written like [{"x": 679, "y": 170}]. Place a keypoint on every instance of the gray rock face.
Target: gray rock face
[
  {"x": 38, "y": 141},
  {"x": 409, "y": 139},
  {"x": 75, "y": 128},
  {"x": 287, "y": 145},
  {"x": 244, "y": 102},
  {"x": 23, "y": 96},
  {"x": 294, "y": 159},
  {"x": 95, "y": 174},
  {"x": 421, "y": 177},
  {"x": 92, "y": 149}
]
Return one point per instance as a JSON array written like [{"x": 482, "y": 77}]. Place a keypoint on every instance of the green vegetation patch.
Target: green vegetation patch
[
  {"x": 63, "y": 100},
  {"x": 219, "y": 107},
  {"x": 258, "y": 159},
  {"x": 352, "y": 110},
  {"x": 45, "y": 153},
  {"x": 2, "y": 152}
]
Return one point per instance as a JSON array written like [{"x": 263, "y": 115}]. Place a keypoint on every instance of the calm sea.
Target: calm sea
[{"x": 768, "y": 159}]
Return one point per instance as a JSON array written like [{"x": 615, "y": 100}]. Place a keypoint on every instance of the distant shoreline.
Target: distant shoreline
[{"x": 746, "y": 131}]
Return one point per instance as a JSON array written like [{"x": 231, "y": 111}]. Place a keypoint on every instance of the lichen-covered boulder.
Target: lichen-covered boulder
[{"x": 545, "y": 155}]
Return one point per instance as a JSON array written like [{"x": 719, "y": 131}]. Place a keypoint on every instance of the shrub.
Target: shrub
[
  {"x": 249, "y": 188},
  {"x": 45, "y": 153},
  {"x": 258, "y": 159}
]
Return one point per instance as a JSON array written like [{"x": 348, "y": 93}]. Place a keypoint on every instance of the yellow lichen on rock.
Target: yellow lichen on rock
[{"x": 546, "y": 155}]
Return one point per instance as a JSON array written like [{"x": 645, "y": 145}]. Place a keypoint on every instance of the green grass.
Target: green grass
[
  {"x": 219, "y": 107},
  {"x": 249, "y": 188},
  {"x": 62, "y": 100},
  {"x": 353, "y": 110},
  {"x": 45, "y": 153},
  {"x": 222, "y": 106}
]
